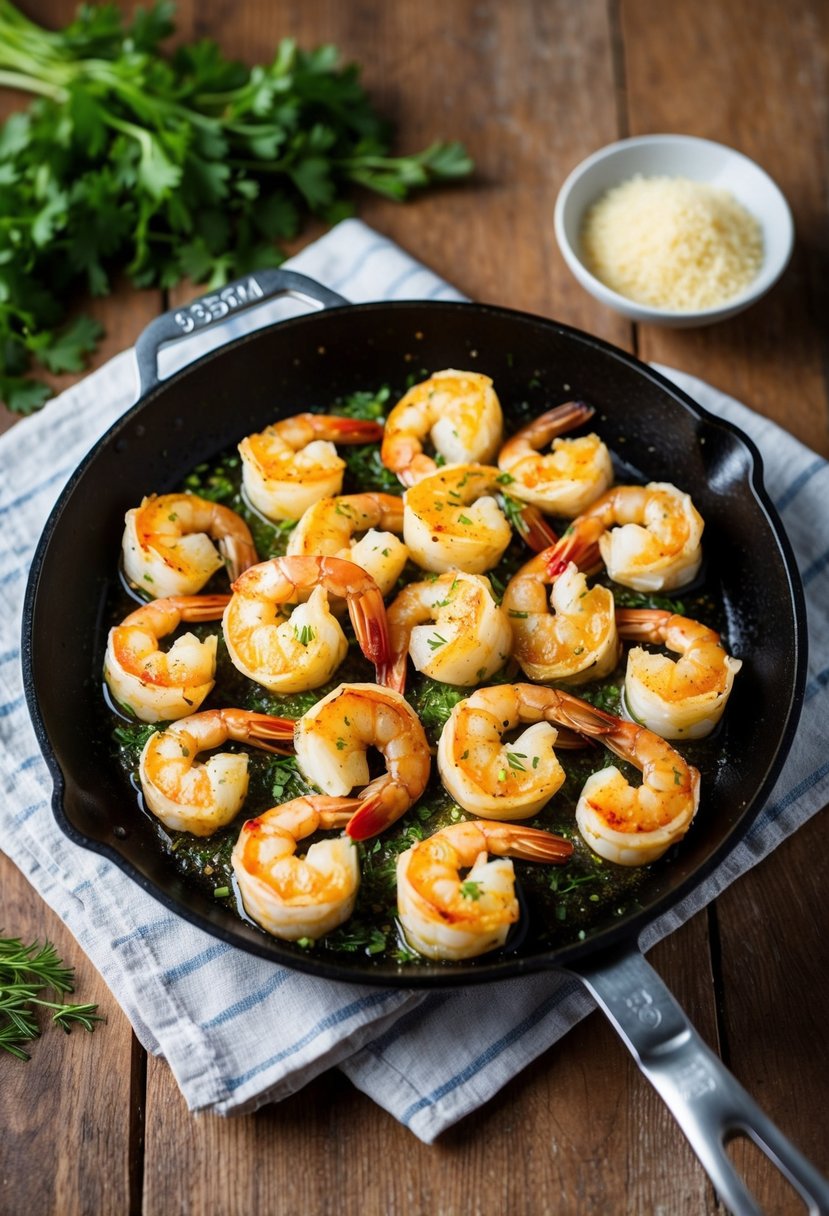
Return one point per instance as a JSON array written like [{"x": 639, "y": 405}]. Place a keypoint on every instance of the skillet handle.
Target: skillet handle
[
  {"x": 217, "y": 307},
  {"x": 709, "y": 1103}
]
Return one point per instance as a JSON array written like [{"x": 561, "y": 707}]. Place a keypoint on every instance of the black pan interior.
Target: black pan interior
[{"x": 306, "y": 363}]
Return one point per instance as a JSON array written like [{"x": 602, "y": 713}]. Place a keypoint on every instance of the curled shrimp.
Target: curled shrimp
[
  {"x": 678, "y": 700},
  {"x": 331, "y": 527},
  {"x": 575, "y": 642},
  {"x": 168, "y": 544},
  {"x": 569, "y": 478},
  {"x": 293, "y": 463},
  {"x": 190, "y": 796},
  {"x": 294, "y": 897},
  {"x": 487, "y": 775},
  {"x": 631, "y": 826},
  {"x": 304, "y": 650},
  {"x": 452, "y": 521},
  {"x": 459, "y": 411},
  {"x": 648, "y": 536},
  {"x": 160, "y": 686},
  {"x": 466, "y": 640},
  {"x": 455, "y": 904},
  {"x": 332, "y": 740}
]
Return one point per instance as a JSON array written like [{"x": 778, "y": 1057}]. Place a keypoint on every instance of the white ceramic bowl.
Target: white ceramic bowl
[{"x": 675, "y": 156}]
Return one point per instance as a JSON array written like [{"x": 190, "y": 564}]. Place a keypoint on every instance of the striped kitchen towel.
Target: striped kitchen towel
[{"x": 239, "y": 1031}]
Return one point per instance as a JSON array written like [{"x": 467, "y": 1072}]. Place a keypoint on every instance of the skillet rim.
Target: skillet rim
[{"x": 482, "y": 969}]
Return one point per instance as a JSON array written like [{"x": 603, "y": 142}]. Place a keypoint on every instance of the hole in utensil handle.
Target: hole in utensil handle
[
  {"x": 216, "y": 311},
  {"x": 708, "y": 1103}
]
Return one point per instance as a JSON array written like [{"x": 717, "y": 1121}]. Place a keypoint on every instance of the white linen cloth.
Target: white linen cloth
[{"x": 239, "y": 1031}]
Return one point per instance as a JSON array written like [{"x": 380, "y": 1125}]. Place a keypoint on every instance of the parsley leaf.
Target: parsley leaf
[{"x": 187, "y": 165}]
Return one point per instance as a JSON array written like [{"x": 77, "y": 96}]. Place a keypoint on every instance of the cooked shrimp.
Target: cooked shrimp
[
  {"x": 448, "y": 914},
  {"x": 677, "y": 700},
  {"x": 293, "y": 897},
  {"x": 488, "y": 776},
  {"x": 468, "y": 636},
  {"x": 158, "y": 686},
  {"x": 569, "y": 478},
  {"x": 331, "y": 527},
  {"x": 188, "y": 796},
  {"x": 458, "y": 410},
  {"x": 332, "y": 740},
  {"x": 293, "y": 463},
  {"x": 648, "y": 536},
  {"x": 578, "y": 640},
  {"x": 304, "y": 650},
  {"x": 167, "y": 547},
  {"x": 452, "y": 521},
  {"x": 629, "y": 825}
]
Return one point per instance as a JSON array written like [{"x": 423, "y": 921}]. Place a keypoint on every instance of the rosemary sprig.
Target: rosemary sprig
[{"x": 26, "y": 973}]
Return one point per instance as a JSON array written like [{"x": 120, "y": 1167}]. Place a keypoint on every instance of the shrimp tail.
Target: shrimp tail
[
  {"x": 395, "y": 672},
  {"x": 201, "y": 607},
  {"x": 368, "y": 617},
  {"x": 565, "y": 417},
  {"x": 571, "y": 740},
  {"x": 535, "y": 530},
  {"x": 331, "y": 812},
  {"x": 569, "y": 711},
  {"x": 642, "y": 624},
  {"x": 381, "y": 805},
  {"x": 579, "y": 544},
  {"x": 354, "y": 430},
  {"x": 270, "y": 734},
  {"x": 238, "y": 555},
  {"x": 528, "y": 844}
]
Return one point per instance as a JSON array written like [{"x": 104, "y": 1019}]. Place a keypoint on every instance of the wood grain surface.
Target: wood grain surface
[{"x": 91, "y": 1125}]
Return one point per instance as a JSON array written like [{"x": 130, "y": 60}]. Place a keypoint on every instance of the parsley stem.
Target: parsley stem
[{"x": 31, "y": 84}]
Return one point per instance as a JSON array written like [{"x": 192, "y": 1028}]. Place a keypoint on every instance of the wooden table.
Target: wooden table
[{"x": 91, "y": 1125}]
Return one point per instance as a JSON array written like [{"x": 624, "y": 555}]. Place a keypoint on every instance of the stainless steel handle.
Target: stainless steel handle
[
  {"x": 709, "y": 1103},
  {"x": 217, "y": 307}
]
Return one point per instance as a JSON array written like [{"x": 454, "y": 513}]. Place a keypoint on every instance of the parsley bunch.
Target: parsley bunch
[
  {"x": 25, "y": 973},
  {"x": 184, "y": 166}
]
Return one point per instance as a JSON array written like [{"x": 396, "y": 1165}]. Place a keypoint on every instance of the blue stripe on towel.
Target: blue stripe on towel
[
  {"x": 803, "y": 477},
  {"x": 493, "y": 1051},
  {"x": 142, "y": 931},
  {"x": 816, "y": 684},
  {"x": 198, "y": 961},
  {"x": 280, "y": 977},
  {"x": 28, "y": 811},
  {"x": 327, "y": 1023},
  {"x": 22, "y": 499},
  {"x": 817, "y": 567},
  {"x": 359, "y": 264}
]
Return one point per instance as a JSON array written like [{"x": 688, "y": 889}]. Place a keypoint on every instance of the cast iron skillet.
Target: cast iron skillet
[{"x": 307, "y": 362}]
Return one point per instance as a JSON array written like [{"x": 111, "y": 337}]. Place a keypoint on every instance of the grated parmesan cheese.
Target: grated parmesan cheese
[{"x": 672, "y": 243}]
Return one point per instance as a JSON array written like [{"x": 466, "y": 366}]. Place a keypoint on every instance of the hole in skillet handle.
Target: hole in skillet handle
[
  {"x": 708, "y": 1103},
  {"x": 217, "y": 312}
]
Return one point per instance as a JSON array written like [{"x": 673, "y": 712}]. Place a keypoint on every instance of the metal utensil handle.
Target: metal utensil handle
[
  {"x": 217, "y": 307},
  {"x": 709, "y": 1103}
]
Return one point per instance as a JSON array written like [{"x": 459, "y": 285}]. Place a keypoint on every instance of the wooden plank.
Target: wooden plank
[
  {"x": 69, "y": 1135},
  {"x": 776, "y": 994},
  {"x": 505, "y": 78},
  {"x": 516, "y": 87},
  {"x": 748, "y": 78},
  {"x": 573, "y": 1133}
]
